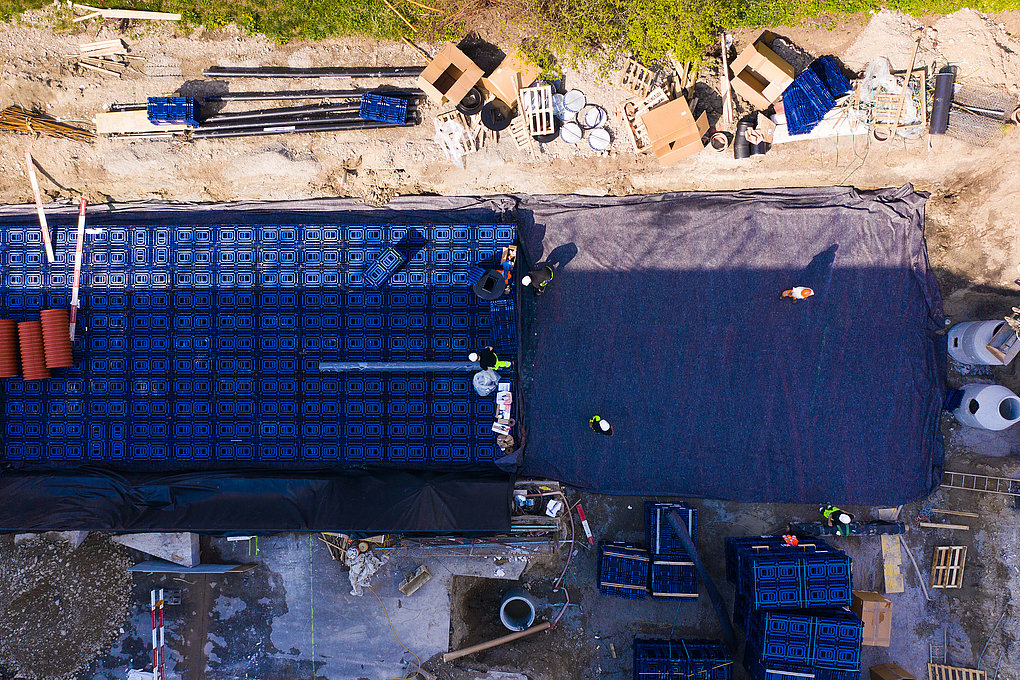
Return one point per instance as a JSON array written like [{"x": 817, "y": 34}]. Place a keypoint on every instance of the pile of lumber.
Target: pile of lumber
[
  {"x": 17, "y": 119},
  {"x": 109, "y": 57},
  {"x": 111, "y": 13}
]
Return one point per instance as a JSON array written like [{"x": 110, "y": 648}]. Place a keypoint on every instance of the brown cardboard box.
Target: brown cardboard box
[
  {"x": 760, "y": 75},
  {"x": 876, "y": 613},
  {"x": 449, "y": 76},
  {"x": 889, "y": 671},
  {"x": 501, "y": 83},
  {"x": 673, "y": 131}
]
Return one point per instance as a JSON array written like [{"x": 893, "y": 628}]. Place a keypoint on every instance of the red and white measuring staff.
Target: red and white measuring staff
[
  {"x": 38, "y": 207},
  {"x": 584, "y": 523},
  {"x": 77, "y": 265},
  {"x": 158, "y": 642}
]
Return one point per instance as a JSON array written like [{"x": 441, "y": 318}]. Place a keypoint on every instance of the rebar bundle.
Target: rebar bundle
[{"x": 17, "y": 119}]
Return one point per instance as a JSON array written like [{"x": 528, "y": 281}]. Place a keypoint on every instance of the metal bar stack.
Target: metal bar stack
[{"x": 309, "y": 118}]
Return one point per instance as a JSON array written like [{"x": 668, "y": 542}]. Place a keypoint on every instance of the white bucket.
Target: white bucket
[
  {"x": 571, "y": 133},
  {"x": 599, "y": 139}
]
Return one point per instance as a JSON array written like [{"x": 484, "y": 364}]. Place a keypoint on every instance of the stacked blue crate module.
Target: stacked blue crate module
[
  {"x": 623, "y": 571},
  {"x": 791, "y": 603},
  {"x": 672, "y": 572},
  {"x": 200, "y": 343},
  {"x": 681, "y": 660}
]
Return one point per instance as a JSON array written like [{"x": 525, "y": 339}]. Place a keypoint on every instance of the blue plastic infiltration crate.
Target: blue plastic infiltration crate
[
  {"x": 828, "y": 639},
  {"x": 199, "y": 345},
  {"x": 385, "y": 266},
  {"x": 504, "y": 325},
  {"x": 813, "y": 94},
  {"x": 797, "y": 580},
  {"x": 673, "y": 580},
  {"x": 681, "y": 660},
  {"x": 172, "y": 111},
  {"x": 623, "y": 571},
  {"x": 663, "y": 540},
  {"x": 383, "y": 109}
]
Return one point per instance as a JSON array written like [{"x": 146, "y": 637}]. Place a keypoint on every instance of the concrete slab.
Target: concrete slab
[{"x": 179, "y": 548}]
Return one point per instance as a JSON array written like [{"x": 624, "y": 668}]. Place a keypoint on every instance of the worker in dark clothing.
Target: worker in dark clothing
[
  {"x": 538, "y": 279},
  {"x": 838, "y": 518},
  {"x": 601, "y": 426},
  {"x": 487, "y": 359}
]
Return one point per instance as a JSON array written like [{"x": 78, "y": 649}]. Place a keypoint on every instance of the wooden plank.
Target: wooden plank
[
  {"x": 122, "y": 122},
  {"x": 892, "y": 559},
  {"x": 939, "y": 525},
  {"x": 111, "y": 13},
  {"x": 957, "y": 513}
]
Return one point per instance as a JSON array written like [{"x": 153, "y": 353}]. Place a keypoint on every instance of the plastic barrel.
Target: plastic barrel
[
  {"x": 56, "y": 338},
  {"x": 33, "y": 359},
  {"x": 8, "y": 348},
  {"x": 944, "y": 80}
]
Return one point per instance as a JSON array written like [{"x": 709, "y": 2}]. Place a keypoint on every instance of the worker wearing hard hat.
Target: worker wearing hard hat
[{"x": 798, "y": 293}]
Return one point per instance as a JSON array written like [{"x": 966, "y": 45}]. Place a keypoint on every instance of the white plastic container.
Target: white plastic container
[
  {"x": 968, "y": 343},
  {"x": 988, "y": 407}
]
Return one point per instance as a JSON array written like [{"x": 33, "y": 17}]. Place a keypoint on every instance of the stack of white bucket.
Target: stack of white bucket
[{"x": 986, "y": 343}]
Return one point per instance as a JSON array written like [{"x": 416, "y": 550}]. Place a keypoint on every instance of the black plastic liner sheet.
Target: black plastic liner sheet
[
  {"x": 666, "y": 318},
  {"x": 371, "y": 501}
]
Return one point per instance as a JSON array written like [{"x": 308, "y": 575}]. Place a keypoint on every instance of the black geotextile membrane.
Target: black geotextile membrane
[{"x": 666, "y": 318}]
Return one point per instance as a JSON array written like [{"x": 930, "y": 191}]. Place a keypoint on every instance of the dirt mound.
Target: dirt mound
[{"x": 59, "y": 608}]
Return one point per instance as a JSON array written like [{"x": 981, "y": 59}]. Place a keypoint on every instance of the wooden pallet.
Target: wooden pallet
[
  {"x": 887, "y": 106},
  {"x": 636, "y": 78},
  {"x": 521, "y": 136},
  {"x": 938, "y": 671},
  {"x": 947, "y": 566},
  {"x": 537, "y": 109}
]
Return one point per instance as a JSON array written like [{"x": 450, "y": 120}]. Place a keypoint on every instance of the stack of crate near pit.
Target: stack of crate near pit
[
  {"x": 671, "y": 573},
  {"x": 665, "y": 569},
  {"x": 681, "y": 659},
  {"x": 791, "y": 602}
]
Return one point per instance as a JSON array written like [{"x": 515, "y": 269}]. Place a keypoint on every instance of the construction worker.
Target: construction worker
[
  {"x": 798, "y": 293},
  {"x": 600, "y": 425},
  {"x": 838, "y": 518},
  {"x": 487, "y": 359},
  {"x": 538, "y": 279}
]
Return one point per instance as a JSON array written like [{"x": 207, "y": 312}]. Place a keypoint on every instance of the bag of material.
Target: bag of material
[{"x": 485, "y": 382}]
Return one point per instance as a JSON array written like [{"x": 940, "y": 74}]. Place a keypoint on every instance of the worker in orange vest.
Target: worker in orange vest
[{"x": 798, "y": 293}]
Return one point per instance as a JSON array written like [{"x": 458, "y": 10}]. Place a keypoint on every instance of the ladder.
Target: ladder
[{"x": 999, "y": 485}]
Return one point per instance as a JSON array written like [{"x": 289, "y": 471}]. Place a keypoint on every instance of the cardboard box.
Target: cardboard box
[
  {"x": 673, "y": 131},
  {"x": 876, "y": 613},
  {"x": 889, "y": 671},
  {"x": 449, "y": 76},
  {"x": 760, "y": 75},
  {"x": 502, "y": 84}
]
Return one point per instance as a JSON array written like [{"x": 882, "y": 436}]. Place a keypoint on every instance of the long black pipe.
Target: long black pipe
[
  {"x": 319, "y": 72},
  {"x": 292, "y": 120},
  {"x": 308, "y": 94},
  {"x": 286, "y": 111},
  {"x": 706, "y": 579},
  {"x": 283, "y": 129}
]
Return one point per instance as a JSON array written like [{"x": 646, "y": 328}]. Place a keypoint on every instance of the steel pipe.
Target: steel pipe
[{"x": 391, "y": 366}]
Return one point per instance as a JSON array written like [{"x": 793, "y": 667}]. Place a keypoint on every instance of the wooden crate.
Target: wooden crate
[
  {"x": 939, "y": 672},
  {"x": 537, "y": 109},
  {"x": 947, "y": 566}
]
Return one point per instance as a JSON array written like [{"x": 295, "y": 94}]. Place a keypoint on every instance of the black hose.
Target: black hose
[
  {"x": 320, "y": 72},
  {"x": 308, "y": 94}
]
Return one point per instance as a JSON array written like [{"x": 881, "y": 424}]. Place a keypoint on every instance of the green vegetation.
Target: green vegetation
[{"x": 650, "y": 29}]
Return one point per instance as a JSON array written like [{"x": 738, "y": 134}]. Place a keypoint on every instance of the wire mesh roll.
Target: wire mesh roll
[
  {"x": 33, "y": 358},
  {"x": 8, "y": 348},
  {"x": 56, "y": 332}
]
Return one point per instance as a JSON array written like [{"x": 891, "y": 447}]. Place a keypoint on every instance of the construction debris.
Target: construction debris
[{"x": 111, "y": 13}]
